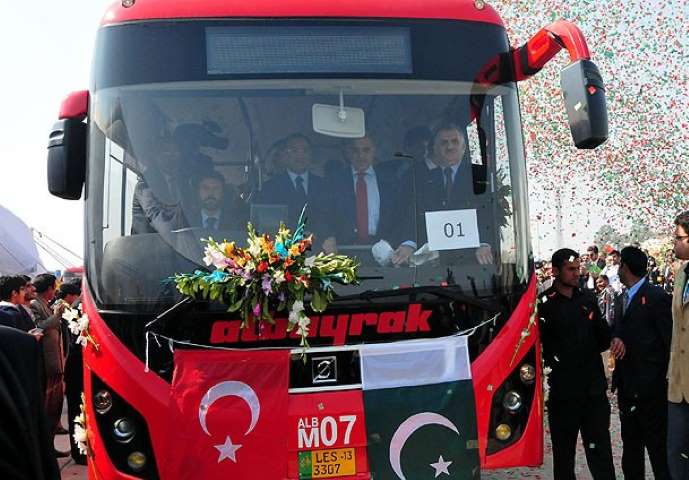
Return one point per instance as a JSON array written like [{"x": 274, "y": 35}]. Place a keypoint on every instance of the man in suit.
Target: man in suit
[
  {"x": 297, "y": 186},
  {"x": 12, "y": 314},
  {"x": 443, "y": 181},
  {"x": 574, "y": 334},
  {"x": 216, "y": 211},
  {"x": 53, "y": 353},
  {"x": 641, "y": 346},
  {"x": 366, "y": 199},
  {"x": 27, "y": 450},
  {"x": 678, "y": 371}
]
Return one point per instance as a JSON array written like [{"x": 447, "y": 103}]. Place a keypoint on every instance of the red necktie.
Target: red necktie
[{"x": 361, "y": 208}]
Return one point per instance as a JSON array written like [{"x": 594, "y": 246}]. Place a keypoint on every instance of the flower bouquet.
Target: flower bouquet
[{"x": 270, "y": 275}]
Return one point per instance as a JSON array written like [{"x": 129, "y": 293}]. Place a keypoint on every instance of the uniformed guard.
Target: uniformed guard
[{"x": 574, "y": 334}]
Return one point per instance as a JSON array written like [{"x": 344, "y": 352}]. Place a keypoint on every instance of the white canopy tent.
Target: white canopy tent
[{"x": 18, "y": 252}]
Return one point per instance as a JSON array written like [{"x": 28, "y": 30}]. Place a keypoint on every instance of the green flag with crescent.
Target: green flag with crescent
[{"x": 420, "y": 414}]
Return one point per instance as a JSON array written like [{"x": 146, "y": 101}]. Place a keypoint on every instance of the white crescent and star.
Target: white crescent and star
[
  {"x": 407, "y": 429},
  {"x": 229, "y": 389}
]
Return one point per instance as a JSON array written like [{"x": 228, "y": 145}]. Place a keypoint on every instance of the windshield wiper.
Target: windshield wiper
[{"x": 441, "y": 292}]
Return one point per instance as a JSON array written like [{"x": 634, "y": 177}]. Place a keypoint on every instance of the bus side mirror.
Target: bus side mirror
[
  {"x": 67, "y": 158},
  {"x": 587, "y": 111}
]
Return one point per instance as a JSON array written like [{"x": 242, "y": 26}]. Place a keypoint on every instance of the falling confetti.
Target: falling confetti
[{"x": 639, "y": 175}]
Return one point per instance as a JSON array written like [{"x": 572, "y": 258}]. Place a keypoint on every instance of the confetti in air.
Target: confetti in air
[{"x": 639, "y": 175}]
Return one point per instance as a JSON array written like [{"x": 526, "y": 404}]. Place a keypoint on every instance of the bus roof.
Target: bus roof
[{"x": 411, "y": 9}]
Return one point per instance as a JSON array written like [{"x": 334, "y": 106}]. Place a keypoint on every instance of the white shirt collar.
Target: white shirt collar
[{"x": 368, "y": 171}]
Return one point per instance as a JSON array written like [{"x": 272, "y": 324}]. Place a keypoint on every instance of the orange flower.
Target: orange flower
[
  {"x": 288, "y": 262},
  {"x": 294, "y": 251}
]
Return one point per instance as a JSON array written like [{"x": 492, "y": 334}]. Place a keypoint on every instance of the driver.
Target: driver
[{"x": 442, "y": 182}]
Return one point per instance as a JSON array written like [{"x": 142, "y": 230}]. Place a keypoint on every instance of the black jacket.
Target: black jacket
[
  {"x": 280, "y": 190},
  {"x": 26, "y": 452},
  {"x": 574, "y": 334},
  {"x": 16, "y": 317},
  {"x": 646, "y": 330}
]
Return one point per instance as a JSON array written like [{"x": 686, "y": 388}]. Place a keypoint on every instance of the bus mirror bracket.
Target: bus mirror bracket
[{"x": 67, "y": 158}]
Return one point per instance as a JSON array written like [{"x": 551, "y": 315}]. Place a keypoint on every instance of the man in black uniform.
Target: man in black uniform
[
  {"x": 641, "y": 345},
  {"x": 574, "y": 334}
]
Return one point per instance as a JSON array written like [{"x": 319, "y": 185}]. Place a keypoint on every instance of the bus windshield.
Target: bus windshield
[
  {"x": 428, "y": 196},
  {"x": 198, "y": 127}
]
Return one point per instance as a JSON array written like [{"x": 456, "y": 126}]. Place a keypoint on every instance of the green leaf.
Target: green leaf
[{"x": 319, "y": 301}]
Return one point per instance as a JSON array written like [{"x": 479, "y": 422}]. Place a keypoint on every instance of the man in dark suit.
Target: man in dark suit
[
  {"x": 12, "y": 314},
  {"x": 297, "y": 186},
  {"x": 444, "y": 181},
  {"x": 641, "y": 344},
  {"x": 25, "y": 448},
  {"x": 215, "y": 210},
  {"x": 365, "y": 199}
]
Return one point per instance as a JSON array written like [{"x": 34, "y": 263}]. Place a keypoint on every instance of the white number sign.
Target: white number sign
[{"x": 452, "y": 229}]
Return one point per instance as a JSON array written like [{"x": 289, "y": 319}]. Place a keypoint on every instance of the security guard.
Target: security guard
[{"x": 574, "y": 334}]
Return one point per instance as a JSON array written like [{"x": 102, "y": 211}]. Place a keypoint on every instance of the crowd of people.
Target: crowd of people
[
  {"x": 40, "y": 369},
  {"x": 627, "y": 307}
]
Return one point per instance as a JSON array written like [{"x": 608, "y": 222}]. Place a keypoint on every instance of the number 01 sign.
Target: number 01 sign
[{"x": 452, "y": 229}]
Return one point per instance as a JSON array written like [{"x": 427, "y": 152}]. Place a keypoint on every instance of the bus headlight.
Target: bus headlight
[
  {"x": 512, "y": 401},
  {"x": 136, "y": 461},
  {"x": 503, "y": 432},
  {"x": 124, "y": 430},
  {"x": 102, "y": 401},
  {"x": 527, "y": 374}
]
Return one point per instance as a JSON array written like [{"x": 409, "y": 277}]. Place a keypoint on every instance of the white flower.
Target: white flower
[
  {"x": 303, "y": 326},
  {"x": 74, "y": 327},
  {"x": 83, "y": 323},
  {"x": 82, "y": 340},
  {"x": 70, "y": 314},
  {"x": 310, "y": 261},
  {"x": 279, "y": 277},
  {"x": 80, "y": 437},
  {"x": 255, "y": 248},
  {"x": 295, "y": 313}
]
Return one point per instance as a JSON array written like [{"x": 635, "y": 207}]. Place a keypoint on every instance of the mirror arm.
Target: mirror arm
[{"x": 530, "y": 58}]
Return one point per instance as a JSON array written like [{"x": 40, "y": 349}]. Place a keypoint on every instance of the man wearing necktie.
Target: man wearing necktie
[
  {"x": 215, "y": 212},
  {"x": 641, "y": 346},
  {"x": 298, "y": 186},
  {"x": 442, "y": 182},
  {"x": 366, "y": 198},
  {"x": 678, "y": 372}
]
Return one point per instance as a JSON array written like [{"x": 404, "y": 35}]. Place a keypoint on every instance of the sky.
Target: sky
[
  {"x": 640, "y": 47},
  {"x": 46, "y": 48}
]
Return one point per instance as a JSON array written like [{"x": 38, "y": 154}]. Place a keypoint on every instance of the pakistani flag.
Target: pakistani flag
[{"x": 419, "y": 404}]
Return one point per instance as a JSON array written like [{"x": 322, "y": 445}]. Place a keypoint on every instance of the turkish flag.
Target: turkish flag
[{"x": 228, "y": 415}]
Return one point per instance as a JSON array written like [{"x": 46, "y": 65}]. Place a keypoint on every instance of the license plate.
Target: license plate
[{"x": 340, "y": 462}]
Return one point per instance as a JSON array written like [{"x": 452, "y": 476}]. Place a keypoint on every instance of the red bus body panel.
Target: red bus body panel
[
  {"x": 411, "y": 9},
  {"x": 149, "y": 395}
]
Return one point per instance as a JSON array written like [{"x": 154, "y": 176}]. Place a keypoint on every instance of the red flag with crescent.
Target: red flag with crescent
[{"x": 228, "y": 415}]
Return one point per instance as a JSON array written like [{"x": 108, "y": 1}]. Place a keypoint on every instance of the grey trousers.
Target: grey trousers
[{"x": 678, "y": 440}]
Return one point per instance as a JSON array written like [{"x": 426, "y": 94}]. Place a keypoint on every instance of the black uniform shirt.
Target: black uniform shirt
[{"x": 574, "y": 334}]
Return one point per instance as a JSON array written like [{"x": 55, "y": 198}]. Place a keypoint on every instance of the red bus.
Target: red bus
[{"x": 251, "y": 92}]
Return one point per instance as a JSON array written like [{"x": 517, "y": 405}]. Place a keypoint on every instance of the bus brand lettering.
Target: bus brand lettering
[
  {"x": 312, "y": 432},
  {"x": 336, "y": 327}
]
